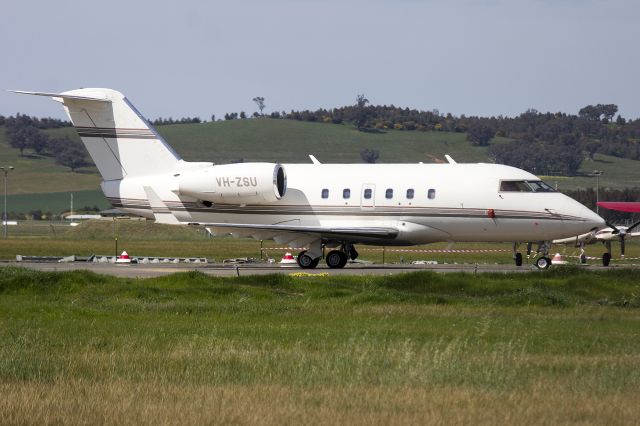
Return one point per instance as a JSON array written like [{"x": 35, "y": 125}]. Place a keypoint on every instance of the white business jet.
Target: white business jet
[{"x": 318, "y": 206}]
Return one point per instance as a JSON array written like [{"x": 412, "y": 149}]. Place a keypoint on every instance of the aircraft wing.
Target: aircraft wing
[
  {"x": 301, "y": 235},
  {"x": 631, "y": 207},
  {"x": 587, "y": 238}
]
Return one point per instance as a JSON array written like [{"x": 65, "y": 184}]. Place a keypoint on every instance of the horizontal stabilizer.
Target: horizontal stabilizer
[
  {"x": 63, "y": 96},
  {"x": 161, "y": 212}
]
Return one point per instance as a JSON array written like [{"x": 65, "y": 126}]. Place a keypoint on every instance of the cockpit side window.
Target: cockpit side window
[
  {"x": 514, "y": 186},
  {"x": 525, "y": 186},
  {"x": 540, "y": 186}
]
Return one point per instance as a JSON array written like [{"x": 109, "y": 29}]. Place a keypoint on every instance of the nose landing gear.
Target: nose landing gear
[{"x": 544, "y": 261}]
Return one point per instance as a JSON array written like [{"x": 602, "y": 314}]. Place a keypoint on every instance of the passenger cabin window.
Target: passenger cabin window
[
  {"x": 367, "y": 194},
  {"x": 410, "y": 194},
  {"x": 388, "y": 193},
  {"x": 325, "y": 193},
  {"x": 525, "y": 186},
  {"x": 431, "y": 194},
  {"x": 346, "y": 193}
]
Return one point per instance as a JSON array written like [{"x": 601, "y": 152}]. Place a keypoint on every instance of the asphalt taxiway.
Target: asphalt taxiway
[{"x": 154, "y": 270}]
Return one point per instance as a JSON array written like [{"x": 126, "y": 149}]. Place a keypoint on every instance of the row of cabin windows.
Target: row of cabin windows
[{"x": 388, "y": 194}]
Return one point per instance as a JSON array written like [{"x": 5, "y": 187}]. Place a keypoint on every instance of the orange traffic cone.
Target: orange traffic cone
[
  {"x": 123, "y": 258},
  {"x": 558, "y": 260},
  {"x": 288, "y": 260}
]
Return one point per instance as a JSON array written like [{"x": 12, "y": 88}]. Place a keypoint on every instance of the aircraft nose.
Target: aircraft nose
[{"x": 591, "y": 219}]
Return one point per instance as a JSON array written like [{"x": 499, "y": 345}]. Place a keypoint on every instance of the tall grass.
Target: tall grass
[{"x": 561, "y": 346}]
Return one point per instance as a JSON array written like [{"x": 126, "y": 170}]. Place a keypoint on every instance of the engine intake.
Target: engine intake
[{"x": 243, "y": 183}]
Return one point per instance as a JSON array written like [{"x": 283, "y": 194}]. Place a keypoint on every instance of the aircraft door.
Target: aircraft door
[{"x": 368, "y": 197}]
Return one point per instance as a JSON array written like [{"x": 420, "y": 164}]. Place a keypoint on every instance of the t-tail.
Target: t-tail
[{"x": 121, "y": 142}]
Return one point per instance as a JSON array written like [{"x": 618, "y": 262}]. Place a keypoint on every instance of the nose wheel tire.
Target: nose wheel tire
[
  {"x": 543, "y": 262},
  {"x": 336, "y": 259},
  {"x": 606, "y": 258},
  {"x": 307, "y": 262}
]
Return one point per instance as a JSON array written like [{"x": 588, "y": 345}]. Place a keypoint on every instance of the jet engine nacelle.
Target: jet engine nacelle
[{"x": 242, "y": 183}]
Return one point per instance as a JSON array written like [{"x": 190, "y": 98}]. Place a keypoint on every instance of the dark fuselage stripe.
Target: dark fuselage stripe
[
  {"x": 343, "y": 213},
  {"x": 400, "y": 211}
]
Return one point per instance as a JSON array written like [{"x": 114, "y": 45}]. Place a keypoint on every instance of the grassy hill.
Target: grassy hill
[{"x": 275, "y": 140}]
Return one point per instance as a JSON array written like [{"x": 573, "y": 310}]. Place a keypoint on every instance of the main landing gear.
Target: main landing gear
[
  {"x": 542, "y": 262},
  {"x": 307, "y": 262},
  {"x": 335, "y": 258}
]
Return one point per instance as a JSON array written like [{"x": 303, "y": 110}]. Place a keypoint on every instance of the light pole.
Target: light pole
[
  {"x": 6, "y": 171},
  {"x": 597, "y": 174}
]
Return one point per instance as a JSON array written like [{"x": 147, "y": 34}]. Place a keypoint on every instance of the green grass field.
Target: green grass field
[
  {"x": 553, "y": 348},
  {"x": 285, "y": 141},
  {"x": 147, "y": 238}
]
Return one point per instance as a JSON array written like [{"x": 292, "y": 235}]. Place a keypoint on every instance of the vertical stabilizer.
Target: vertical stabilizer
[{"x": 120, "y": 141}]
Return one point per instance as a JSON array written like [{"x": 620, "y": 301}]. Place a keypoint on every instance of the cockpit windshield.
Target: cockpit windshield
[{"x": 525, "y": 186}]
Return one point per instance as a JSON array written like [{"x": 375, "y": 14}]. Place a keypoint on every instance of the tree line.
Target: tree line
[
  {"x": 542, "y": 143},
  {"x": 24, "y": 132}
]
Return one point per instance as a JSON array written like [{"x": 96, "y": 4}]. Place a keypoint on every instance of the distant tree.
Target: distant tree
[
  {"x": 480, "y": 134},
  {"x": 370, "y": 155},
  {"x": 39, "y": 142},
  {"x": 57, "y": 145},
  {"x": 242, "y": 115},
  {"x": 36, "y": 214},
  {"x": 72, "y": 155},
  {"x": 360, "y": 112},
  {"x": 538, "y": 157},
  {"x": 27, "y": 137},
  {"x": 604, "y": 112},
  {"x": 608, "y": 111},
  {"x": 213, "y": 117},
  {"x": 589, "y": 112},
  {"x": 259, "y": 100},
  {"x": 620, "y": 121}
]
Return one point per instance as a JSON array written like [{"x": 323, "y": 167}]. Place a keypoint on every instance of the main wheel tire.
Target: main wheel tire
[
  {"x": 543, "y": 262},
  {"x": 606, "y": 259},
  {"x": 307, "y": 262},
  {"x": 336, "y": 259},
  {"x": 518, "y": 259}
]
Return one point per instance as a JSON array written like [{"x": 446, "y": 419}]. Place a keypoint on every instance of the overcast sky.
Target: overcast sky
[{"x": 197, "y": 58}]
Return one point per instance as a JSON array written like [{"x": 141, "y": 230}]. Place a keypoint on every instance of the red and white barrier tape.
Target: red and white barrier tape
[
  {"x": 439, "y": 251},
  {"x": 404, "y": 250}
]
